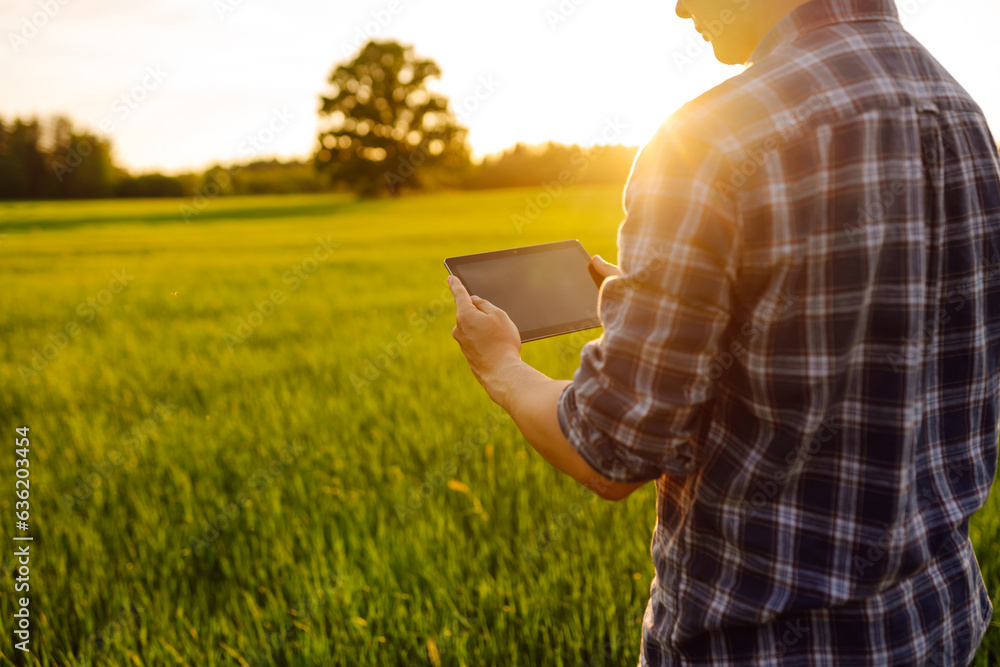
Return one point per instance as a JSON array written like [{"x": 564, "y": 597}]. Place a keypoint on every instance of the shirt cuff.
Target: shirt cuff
[{"x": 608, "y": 458}]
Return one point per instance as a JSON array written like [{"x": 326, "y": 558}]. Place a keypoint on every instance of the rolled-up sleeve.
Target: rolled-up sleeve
[{"x": 635, "y": 404}]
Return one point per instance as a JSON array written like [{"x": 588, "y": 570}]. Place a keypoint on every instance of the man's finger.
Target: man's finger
[
  {"x": 604, "y": 267},
  {"x": 485, "y": 306},
  {"x": 463, "y": 302}
]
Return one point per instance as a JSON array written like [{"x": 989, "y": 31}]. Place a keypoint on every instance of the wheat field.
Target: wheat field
[{"x": 253, "y": 441}]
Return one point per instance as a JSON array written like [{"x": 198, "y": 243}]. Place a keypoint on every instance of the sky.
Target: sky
[{"x": 183, "y": 84}]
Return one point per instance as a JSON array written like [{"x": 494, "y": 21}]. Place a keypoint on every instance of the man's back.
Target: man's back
[{"x": 811, "y": 299}]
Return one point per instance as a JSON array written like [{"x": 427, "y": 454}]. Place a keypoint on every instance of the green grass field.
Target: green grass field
[{"x": 287, "y": 461}]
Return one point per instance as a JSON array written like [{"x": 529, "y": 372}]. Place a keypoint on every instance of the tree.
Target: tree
[
  {"x": 24, "y": 142},
  {"x": 51, "y": 160},
  {"x": 81, "y": 163},
  {"x": 384, "y": 131},
  {"x": 13, "y": 182}
]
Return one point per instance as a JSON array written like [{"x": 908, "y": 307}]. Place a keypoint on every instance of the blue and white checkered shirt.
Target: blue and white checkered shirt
[{"x": 804, "y": 352}]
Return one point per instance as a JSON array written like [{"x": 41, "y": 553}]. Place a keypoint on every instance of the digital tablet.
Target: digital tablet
[{"x": 547, "y": 289}]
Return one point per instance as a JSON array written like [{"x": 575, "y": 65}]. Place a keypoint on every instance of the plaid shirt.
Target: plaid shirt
[{"x": 803, "y": 351}]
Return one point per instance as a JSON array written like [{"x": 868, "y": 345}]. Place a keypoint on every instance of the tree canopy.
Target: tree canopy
[
  {"x": 41, "y": 162},
  {"x": 384, "y": 130}
]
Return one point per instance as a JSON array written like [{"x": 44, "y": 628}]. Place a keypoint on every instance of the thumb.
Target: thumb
[
  {"x": 604, "y": 267},
  {"x": 485, "y": 306}
]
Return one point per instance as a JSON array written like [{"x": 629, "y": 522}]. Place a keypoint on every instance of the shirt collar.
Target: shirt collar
[{"x": 821, "y": 13}]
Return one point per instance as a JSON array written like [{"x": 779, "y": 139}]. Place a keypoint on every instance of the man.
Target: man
[{"x": 802, "y": 349}]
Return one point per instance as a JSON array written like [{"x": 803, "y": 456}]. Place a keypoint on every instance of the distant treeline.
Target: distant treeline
[
  {"x": 525, "y": 165},
  {"x": 53, "y": 160}
]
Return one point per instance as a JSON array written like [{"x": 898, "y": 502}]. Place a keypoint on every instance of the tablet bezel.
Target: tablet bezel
[{"x": 454, "y": 264}]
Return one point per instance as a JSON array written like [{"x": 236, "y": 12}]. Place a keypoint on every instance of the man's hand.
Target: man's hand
[
  {"x": 604, "y": 268},
  {"x": 487, "y": 336},
  {"x": 492, "y": 346}
]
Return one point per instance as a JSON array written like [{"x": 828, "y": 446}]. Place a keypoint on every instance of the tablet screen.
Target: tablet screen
[{"x": 546, "y": 289}]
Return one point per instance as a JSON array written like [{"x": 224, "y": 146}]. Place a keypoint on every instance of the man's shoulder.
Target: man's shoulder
[
  {"x": 770, "y": 99},
  {"x": 828, "y": 76}
]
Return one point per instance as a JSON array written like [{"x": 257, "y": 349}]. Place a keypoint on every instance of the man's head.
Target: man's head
[{"x": 735, "y": 27}]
